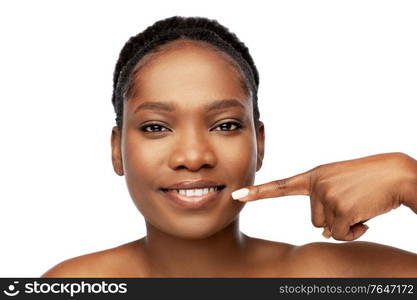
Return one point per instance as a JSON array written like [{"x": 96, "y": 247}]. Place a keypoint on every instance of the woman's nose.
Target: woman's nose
[{"x": 192, "y": 151}]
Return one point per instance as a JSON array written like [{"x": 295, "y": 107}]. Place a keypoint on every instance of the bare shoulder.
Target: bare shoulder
[
  {"x": 267, "y": 258},
  {"x": 121, "y": 261},
  {"x": 352, "y": 259}
]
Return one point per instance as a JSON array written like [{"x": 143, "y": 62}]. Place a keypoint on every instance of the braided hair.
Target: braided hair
[{"x": 174, "y": 28}]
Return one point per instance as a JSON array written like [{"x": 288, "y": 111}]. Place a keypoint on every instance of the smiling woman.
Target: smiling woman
[{"x": 188, "y": 134}]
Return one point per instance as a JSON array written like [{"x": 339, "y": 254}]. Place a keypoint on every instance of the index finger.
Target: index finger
[{"x": 295, "y": 185}]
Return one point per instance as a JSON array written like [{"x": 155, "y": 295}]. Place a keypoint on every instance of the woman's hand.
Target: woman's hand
[{"x": 345, "y": 194}]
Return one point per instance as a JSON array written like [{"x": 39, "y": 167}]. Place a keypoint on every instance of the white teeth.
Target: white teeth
[{"x": 196, "y": 192}]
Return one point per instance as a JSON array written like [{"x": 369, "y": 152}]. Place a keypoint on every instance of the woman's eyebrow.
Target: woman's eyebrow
[{"x": 167, "y": 106}]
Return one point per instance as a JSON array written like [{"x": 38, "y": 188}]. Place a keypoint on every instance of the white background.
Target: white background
[{"x": 337, "y": 81}]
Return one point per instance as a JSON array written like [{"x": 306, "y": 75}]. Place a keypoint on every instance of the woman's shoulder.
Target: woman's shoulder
[
  {"x": 331, "y": 259},
  {"x": 351, "y": 259},
  {"x": 120, "y": 261}
]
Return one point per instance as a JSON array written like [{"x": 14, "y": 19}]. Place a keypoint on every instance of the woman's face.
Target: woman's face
[{"x": 188, "y": 119}]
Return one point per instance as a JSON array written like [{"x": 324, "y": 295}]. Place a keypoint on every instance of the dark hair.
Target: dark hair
[{"x": 174, "y": 28}]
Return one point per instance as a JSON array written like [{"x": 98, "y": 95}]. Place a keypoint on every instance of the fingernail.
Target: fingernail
[
  {"x": 326, "y": 234},
  {"x": 366, "y": 227},
  {"x": 240, "y": 193}
]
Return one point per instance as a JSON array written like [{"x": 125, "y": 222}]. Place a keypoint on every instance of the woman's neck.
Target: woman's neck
[{"x": 220, "y": 254}]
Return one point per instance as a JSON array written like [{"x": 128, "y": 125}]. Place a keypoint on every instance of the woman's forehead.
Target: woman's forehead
[{"x": 186, "y": 74}]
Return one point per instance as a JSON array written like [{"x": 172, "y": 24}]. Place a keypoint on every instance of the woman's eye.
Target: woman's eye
[
  {"x": 153, "y": 128},
  {"x": 229, "y": 126}
]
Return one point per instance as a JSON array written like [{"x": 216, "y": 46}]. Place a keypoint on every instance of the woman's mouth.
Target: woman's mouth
[{"x": 194, "y": 198}]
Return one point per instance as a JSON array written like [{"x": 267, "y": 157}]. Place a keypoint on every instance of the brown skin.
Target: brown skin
[{"x": 190, "y": 144}]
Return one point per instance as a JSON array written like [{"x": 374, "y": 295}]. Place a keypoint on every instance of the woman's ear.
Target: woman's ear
[
  {"x": 116, "y": 154},
  {"x": 260, "y": 139}
]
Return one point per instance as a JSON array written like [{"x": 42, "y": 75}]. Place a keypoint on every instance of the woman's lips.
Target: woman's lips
[{"x": 192, "y": 202}]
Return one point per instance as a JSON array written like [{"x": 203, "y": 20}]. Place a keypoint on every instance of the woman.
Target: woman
[{"x": 188, "y": 134}]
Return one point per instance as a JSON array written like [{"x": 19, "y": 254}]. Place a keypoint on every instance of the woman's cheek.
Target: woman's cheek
[
  {"x": 142, "y": 167},
  {"x": 239, "y": 158}
]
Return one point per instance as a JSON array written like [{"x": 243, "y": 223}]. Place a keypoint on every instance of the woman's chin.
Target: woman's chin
[
  {"x": 193, "y": 233},
  {"x": 196, "y": 230},
  {"x": 195, "y": 225}
]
